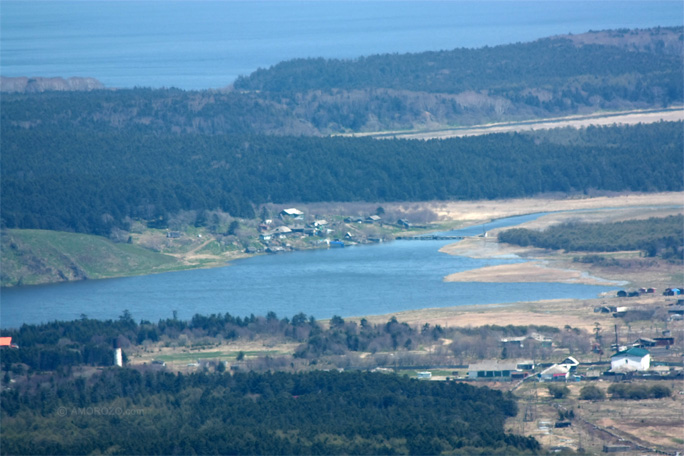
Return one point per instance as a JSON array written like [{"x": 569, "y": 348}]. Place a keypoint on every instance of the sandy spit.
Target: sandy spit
[{"x": 532, "y": 271}]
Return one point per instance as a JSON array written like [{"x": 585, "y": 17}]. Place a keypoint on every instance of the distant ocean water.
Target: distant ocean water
[{"x": 207, "y": 44}]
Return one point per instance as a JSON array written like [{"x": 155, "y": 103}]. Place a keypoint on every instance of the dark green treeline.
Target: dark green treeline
[{"x": 90, "y": 181}]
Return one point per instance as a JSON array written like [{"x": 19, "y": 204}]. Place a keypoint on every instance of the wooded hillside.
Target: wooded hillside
[
  {"x": 129, "y": 412},
  {"x": 86, "y": 181},
  {"x": 623, "y": 69}
]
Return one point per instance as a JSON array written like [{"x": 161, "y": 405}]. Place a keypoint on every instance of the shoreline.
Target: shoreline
[
  {"x": 528, "y": 272},
  {"x": 468, "y": 213}
]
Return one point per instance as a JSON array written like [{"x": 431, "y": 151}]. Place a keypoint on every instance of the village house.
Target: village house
[
  {"x": 672, "y": 292},
  {"x": 404, "y": 224},
  {"x": 555, "y": 373},
  {"x": 373, "y": 219},
  {"x": 492, "y": 370},
  {"x": 663, "y": 341},
  {"x": 661, "y": 370},
  {"x": 633, "y": 359},
  {"x": 571, "y": 362},
  {"x": 282, "y": 231},
  {"x": 298, "y": 229},
  {"x": 605, "y": 309},
  {"x": 291, "y": 214},
  {"x": 545, "y": 342},
  {"x": 644, "y": 342}
]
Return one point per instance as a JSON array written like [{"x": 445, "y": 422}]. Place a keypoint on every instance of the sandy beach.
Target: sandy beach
[
  {"x": 532, "y": 271},
  {"x": 543, "y": 265}
]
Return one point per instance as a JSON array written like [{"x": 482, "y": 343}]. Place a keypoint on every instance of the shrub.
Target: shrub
[
  {"x": 592, "y": 393},
  {"x": 660, "y": 391},
  {"x": 558, "y": 391},
  {"x": 638, "y": 391}
]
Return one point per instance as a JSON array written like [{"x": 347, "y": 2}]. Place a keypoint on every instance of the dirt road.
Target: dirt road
[{"x": 621, "y": 118}]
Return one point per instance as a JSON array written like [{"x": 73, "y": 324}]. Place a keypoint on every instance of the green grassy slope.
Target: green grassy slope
[{"x": 39, "y": 256}]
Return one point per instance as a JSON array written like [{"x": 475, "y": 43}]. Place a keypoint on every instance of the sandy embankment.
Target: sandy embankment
[
  {"x": 489, "y": 210},
  {"x": 545, "y": 267},
  {"x": 531, "y": 271}
]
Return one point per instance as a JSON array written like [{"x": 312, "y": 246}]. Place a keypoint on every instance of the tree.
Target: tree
[
  {"x": 234, "y": 225},
  {"x": 592, "y": 393},
  {"x": 336, "y": 322},
  {"x": 660, "y": 391},
  {"x": 558, "y": 391}
]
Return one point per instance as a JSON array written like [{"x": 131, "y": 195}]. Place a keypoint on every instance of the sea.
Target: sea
[{"x": 196, "y": 44}]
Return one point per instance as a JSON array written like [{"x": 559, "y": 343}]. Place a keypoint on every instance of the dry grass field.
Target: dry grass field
[{"x": 646, "y": 426}]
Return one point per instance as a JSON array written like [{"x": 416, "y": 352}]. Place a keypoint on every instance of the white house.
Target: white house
[
  {"x": 633, "y": 359},
  {"x": 291, "y": 213}
]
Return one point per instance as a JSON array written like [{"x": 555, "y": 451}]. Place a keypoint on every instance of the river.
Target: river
[{"x": 353, "y": 281}]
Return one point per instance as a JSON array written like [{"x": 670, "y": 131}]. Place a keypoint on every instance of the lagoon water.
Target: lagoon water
[
  {"x": 354, "y": 281},
  {"x": 207, "y": 44}
]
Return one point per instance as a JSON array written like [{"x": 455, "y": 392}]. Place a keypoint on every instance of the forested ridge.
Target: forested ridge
[
  {"x": 86, "y": 181},
  {"x": 124, "y": 411},
  {"x": 613, "y": 70},
  {"x": 74, "y": 409},
  {"x": 496, "y": 69}
]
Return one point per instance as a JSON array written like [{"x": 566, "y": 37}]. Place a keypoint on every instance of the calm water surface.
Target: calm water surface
[
  {"x": 207, "y": 44},
  {"x": 354, "y": 281}
]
